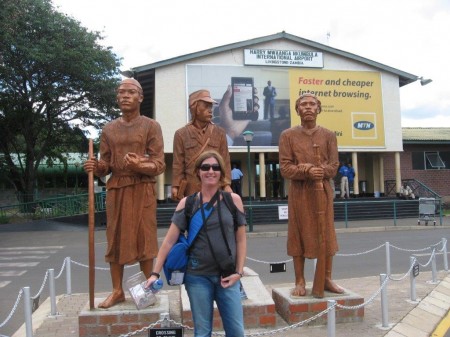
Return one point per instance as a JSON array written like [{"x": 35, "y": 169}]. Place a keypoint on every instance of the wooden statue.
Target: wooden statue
[
  {"x": 309, "y": 158},
  {"x": 131, "y": 149},
  {"x": 193, "y": 139}
]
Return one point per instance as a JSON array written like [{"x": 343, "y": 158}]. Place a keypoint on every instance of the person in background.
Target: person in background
[
  {"x": 131, "y": 150},
  {"x": 236, "y": 176},
  {"x": 199, "y": 135},
  {"x": 269, "y": 93},
  {"x": 344, "y": 172},
  {"x": 205, "y": 280},
  {"x": 406, "y": 191},
  {"x": 299, "y": 163}
]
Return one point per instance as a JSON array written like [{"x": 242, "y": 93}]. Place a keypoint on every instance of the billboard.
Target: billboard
[{"x": 351, "y": 101}]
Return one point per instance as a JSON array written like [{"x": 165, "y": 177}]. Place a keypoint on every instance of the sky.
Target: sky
[{"x": 409, "y": 35}]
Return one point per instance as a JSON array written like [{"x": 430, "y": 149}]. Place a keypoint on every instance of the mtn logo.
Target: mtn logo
[{"x": 364, "y": 125}]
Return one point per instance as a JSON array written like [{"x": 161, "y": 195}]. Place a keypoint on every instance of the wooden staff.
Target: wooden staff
[
  {"x": 91, "y": 230},
  {"x": 320, "y": 207}
]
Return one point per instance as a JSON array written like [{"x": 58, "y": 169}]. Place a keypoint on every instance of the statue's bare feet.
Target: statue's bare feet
[
  {"x": 299, "y": 290},
  {"x": 113, "y": 298},
  {"x": 333, "y": 287}
]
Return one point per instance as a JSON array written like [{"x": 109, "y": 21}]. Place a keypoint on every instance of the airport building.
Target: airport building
[{"x": 360, "y": 103}]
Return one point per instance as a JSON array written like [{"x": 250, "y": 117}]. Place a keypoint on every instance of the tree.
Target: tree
[{"x": 55, "y": 79}]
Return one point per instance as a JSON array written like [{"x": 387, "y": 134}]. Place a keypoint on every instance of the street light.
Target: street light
[
  {"x": 248, "y": 137},
  {"x": 424, "y": 81},
  {"x": 76, "y": 176}
]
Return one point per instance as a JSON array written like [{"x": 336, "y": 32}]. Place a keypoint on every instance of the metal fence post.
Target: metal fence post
[
  {"x": 412, "y": 280},
  {"x": 444, "y": 253},
  {"x": 346, "y": 213},
  {"x": 68, "y": 276},
  {"x": 384, "y": 302},
  {"x": 388, "y": 259},
  {"x": 27, "y": 311},
  {"x": 331, "y": 318},
  {"x": 433, "y": 268},
  {"x": 395, "y": 213},
  {"x": 165, "y": 317},
  {"x": 51, "y": 288}
]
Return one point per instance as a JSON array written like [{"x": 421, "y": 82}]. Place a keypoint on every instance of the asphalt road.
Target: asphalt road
[{"x": 26, "y": 255}]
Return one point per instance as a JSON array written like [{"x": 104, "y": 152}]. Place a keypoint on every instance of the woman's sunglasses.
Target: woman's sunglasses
[{"x": 206, "y": 167}]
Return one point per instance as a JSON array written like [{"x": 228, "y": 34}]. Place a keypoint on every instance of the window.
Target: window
[
  {"x": 430, "y": 160},
  {"x": 434, "y": 160}
]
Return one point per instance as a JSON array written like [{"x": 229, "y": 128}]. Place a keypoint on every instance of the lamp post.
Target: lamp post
[
  {"x": 248, "y": 137},
  {"x": 76, "y": 176}
]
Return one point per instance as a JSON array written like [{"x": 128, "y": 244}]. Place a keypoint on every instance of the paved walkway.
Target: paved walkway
[{"x": 404, "y": 317}]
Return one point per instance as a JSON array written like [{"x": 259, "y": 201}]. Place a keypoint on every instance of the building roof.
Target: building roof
[
  {"x": 404, "y": 77},
  {"x": 426, "y": 135},
  {"x": 146, "y": 74}
]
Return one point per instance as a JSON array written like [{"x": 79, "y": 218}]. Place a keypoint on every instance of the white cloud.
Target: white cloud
[{"x": 410, "y": 35}]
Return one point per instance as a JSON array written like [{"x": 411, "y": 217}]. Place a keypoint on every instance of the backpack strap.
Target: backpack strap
[
  {"x": 228, "y": 199},
  {"x": 188, "y": 207}
]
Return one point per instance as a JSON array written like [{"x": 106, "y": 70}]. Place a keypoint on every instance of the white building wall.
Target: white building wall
[{"x": 171, "y": 108}]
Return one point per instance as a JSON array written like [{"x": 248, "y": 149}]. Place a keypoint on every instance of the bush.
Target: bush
[{"x": 4, "y": 219}]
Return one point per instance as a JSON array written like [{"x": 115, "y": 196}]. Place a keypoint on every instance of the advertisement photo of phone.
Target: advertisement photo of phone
[{"x": 242, "y": 98}]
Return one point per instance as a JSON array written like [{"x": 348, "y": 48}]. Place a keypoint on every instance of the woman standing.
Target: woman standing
[{"x": 208, "y": 278}]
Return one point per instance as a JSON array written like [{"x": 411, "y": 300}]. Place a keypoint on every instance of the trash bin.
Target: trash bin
[
  {"x": 167, "y": 191},
  {"x": 362, "y": 186}
]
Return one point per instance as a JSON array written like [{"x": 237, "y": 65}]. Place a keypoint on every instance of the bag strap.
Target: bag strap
[
  {"x": 228, "y": 199},
  {"x": 222, "y": 230},
  {"x": 199, "y": 218}
]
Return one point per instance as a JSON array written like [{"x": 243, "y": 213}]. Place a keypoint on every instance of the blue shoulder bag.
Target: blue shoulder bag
[{"x": 176, "y": 262}]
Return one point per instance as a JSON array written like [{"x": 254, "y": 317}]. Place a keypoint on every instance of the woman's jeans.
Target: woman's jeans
[{"x": 202, "y": 292}]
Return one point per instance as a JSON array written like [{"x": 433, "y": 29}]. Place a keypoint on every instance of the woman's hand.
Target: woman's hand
[
  {"x": 228, "y": 281},
  {"x": 150, "y": 281}
]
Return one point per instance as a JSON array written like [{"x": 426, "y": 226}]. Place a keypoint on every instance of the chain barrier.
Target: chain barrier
[
  {"x": 42, "y": 287},
  {"x": 417, "y": 250},
  {"x": 13, "y": 310},
  {"x": 62, "y": 269},
  {"x": 101, "y": 268},
  {"x": 362, "y": 253},
  {"x": 366, "y": 302},
  {"x": 264, "y": 333},
  {"x": 161, "y": 321},
  {"x": 144, "y": 329},
  {"x": 405, "y": 275},
  {"x": 429, "y": 261},
  {"x": 443, "y": 242},
  {"x": 268, "y": 262}
]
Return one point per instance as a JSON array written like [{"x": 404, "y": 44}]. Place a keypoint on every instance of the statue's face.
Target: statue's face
[
  {"x": 203, "y": 112},
  {"x": 308, "y": 109},
  {"x": 129, "y": 97}
]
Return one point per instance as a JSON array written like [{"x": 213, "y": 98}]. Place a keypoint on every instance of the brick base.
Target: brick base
[
  {"x": 294, "y": 310},
  {"x": 259, "y": 308},
  {"x": 120, "y": 319}
]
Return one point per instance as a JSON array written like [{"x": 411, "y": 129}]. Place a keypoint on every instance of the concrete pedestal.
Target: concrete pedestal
[
  {"x": 298, "y": 309},
  {"x": 119, "y": 319}
]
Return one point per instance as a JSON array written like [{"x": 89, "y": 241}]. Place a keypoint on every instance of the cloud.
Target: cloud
[{"x": 410, "y": 35}]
